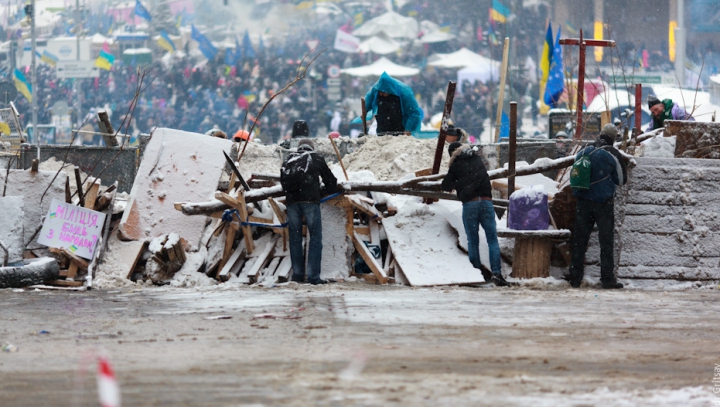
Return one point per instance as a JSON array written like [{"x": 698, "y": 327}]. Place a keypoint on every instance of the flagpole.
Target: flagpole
[
  {"x": 33, "y": 79},
  {"x": 78, "y": 88}
]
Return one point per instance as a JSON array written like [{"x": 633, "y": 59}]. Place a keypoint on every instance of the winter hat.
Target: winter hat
[
  {"x": 561, "y": 134},
  {"x": 300, "y": 129},
  {"x": 453, "y": 146},
  {"x": 652, "y": 101},
  {"x": 306, "y": 142},
  {"x": 609, "y": 133}
]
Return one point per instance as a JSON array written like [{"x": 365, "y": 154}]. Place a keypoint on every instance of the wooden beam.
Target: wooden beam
[
  {"x": 449, "y": 96},
  {"x": 247, "y": 232},
  {"x": 369, "y": 259},
  {"x": 282, "y": 217},
  {"x": 92, "y": 194},
  {"x": 262, "y": 259},
  {"x": 224, "y": 272},
  {"x": 501, "y": 95}
]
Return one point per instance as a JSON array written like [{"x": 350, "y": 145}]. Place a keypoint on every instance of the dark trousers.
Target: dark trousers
[
  {"x": 587, "y": 213},
  {"x": 311, "y": 212}
]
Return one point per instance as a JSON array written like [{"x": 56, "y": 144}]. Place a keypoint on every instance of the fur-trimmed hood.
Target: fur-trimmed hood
[{"x": 465, "y": 150}]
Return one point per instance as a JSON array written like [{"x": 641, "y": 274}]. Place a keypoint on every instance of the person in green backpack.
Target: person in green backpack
[{"x": 603, "y": 168}]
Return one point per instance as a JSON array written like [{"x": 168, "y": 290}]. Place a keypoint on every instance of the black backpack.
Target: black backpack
[{"x": 296, "y": 171}]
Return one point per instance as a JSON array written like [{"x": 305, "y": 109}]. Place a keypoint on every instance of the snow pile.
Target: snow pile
[
  {"x": 262, "y": 159},
  {"x": 533, "y": 195},
  {"x": 659, "y": 146},
  {"x": 390, "y": 158},
  {"x": 188, "y": 275},
  {"x": 53, "y": 164}
]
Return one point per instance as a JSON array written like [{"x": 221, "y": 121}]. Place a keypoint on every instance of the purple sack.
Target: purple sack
[{"x": 528, "y": 209}]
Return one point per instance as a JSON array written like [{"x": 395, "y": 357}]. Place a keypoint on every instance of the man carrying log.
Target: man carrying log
[
  {"x": 468, "y": 176},
  {"x": 300, "y": 179},
  {"x": 665, "y": 110},
  {"x": 394, "y": 106},
  {"x": 594, "y": 188}
]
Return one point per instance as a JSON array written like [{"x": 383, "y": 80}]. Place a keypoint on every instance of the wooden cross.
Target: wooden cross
[{"x": 583, "y": 43}]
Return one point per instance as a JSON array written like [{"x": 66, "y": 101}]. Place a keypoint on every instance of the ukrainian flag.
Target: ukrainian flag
[
  {"x": 499, "y": 12},
  {"x": 105, "y": 61},
  {"x": 49, "y": 58},
  {"x": 22, "y": 85},
  {"x": 545, "y": 60},
  {"x": 358, "y": 19},
  {"x": 165, "y": 42}
]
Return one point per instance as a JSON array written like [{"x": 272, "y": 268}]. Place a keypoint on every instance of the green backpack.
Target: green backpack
[{"x": 581, "y": 171}]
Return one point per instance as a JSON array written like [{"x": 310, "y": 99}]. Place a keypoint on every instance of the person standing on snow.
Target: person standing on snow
[
  {"x": 394, "y": 106},
  {"x": 468, "y": 176},
  {"x": 665, "y": 110},
  {"x": 300, "y": 179},
  {"x": 597, "y": 205}
]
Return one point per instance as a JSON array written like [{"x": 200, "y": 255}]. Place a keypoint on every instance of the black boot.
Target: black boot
[
  {"x": 612, "y": 285},
  {"x": 499, "y": 280}
]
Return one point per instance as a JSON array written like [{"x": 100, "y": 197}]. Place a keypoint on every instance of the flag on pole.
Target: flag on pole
[
  {"x": 108, "y": 387},
  {"x": 204, "y": 44},
  {"x": 49, "y": 58},
  {"x": 545, "y": 59},
  {"x": 556, "y": 79},
  {"x": 141, "y": 11},
  {"x": 499, "y": 12},
  {"x": 22, "y": 85},
  {"x": 247, "y": 46},
  {"x": 166, "y": 43},
  {"x": 105, "y": 60}
]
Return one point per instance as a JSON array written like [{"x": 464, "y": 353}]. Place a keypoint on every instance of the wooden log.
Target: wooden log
[
  {"x": 65, "y": 283},
  {"x": 107, "y": 128},
  {"x": 78, "y": 184},
  {"x": 364, "y": 115},
  {"x": 227, "y": 251},
  {"x": 562, "y": 234},
  {"x": 531, "y": 257},
  {"x": 512, "y": 148},
  {"x": 369, "y": 259},
  {"x": 68, "y": 195},
  {"x": 265, "y": 177}
]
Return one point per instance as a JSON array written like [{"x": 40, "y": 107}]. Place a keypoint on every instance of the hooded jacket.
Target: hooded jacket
[
  {"x": 672, "y": 111},
  {"x": 605, "y": 173},
  {"x": 306, "y": 187},
  {"x": 467, "y": 175},
  {"x": 412, "y": 115}
]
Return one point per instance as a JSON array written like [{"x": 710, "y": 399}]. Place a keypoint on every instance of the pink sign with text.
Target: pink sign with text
[{"x": 72, "y": 227}]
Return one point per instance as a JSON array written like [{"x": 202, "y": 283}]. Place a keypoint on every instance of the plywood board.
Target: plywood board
[
  {"x": 425, "y": 247},
  {"x": 177, "y": 166},
  {"x": 31, "y": 186}
]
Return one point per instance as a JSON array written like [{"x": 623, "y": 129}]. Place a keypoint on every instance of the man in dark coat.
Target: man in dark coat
[
  {"x": 300, "y": 179},
  {"x": 597, "y": 205},
  {"x": 468, "y": 176}
]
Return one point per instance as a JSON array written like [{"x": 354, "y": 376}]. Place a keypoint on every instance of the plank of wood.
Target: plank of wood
[
  {"x": 227, "y": 251},
  {"x": 65, "y": 283},
  {"x": 225, "y": 272},
  {"x": 388, "y": 262},
  {"x": 262, "y": 259},
  {"x": 216, "y": 247},
  {"x": 247, "y": 233},
  {"x": 374, "y": 232},
  {"x": 92, "y": 194},
  {"x": 399, "y": 275},
  {"x": 282, "y": 217},
  {"x": 363, "y": 206},
  {"x": 269, "y": 271},
  {"x": 369, "y": 259},
  {"x": 82, "y": 263},
  {"x": 362, "y": 230},
  {"x": 284, "y": 269},
  {"x": 227, "y": 199}
]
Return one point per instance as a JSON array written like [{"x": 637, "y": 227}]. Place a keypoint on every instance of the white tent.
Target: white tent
[
  {"x": 431, "y": 33},
  {"x": 461, "y": 59},
  {"x": 394, "y": 24},
  {"x": 381, "y": 44},
  {"x": 482, "y": 73},
  {"x": 378, "y": 67}
]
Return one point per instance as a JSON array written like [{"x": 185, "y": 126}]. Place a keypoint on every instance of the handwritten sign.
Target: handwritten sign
[{"x": 72, "y": 227}]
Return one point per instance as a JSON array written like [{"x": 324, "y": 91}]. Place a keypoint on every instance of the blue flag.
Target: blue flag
[
  {"x": 504, "y": 126},
  {"x": 556, "y": 78},
  {"x": 204, "y": 44},
  {"x": 230, "y": 57},
  {"x": 248, "y": 50},
  {"x": 141, "y": 11},
  {"x": 238, "y": 50}
]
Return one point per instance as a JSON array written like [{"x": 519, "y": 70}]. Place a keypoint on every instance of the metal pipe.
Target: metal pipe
[
  {"x": 638, "y": 104},
  {"x": 580, "y": 89}
]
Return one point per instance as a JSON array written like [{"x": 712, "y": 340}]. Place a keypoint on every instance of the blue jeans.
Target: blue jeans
[
  {"x": 474, "y": 215},
  {"x": 295, "y": 213}
]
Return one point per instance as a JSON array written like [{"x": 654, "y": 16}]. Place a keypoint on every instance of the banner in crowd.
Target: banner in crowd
[
  {"x": 346, "y": 42},
  {"x": 72, "y": 227}
]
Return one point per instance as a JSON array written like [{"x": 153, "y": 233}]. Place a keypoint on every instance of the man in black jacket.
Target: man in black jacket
[
  {"x": 300, "y": 178},
  {"x": 468, "y": 176}
]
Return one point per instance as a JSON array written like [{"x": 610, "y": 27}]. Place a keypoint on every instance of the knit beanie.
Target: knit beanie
[
  {"x": 652, "y": 101},
  {"x": 306, "y": 142}
]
